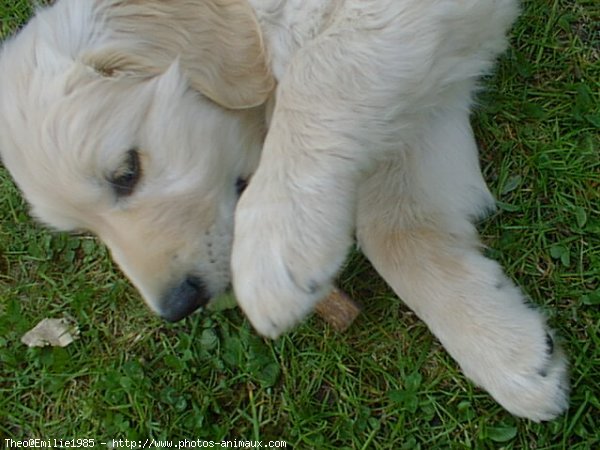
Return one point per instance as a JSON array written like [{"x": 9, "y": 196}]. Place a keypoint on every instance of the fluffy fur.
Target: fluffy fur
[{"x": 368, "y": 135}]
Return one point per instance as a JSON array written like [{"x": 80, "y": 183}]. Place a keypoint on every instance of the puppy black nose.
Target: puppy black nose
[{"x": 183, "y": 299}]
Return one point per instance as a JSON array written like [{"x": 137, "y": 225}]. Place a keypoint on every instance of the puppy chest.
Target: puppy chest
[{"x": 287, "y": 25}]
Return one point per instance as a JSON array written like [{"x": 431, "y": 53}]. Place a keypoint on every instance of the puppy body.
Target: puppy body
[{"x": 368, "y": 136}]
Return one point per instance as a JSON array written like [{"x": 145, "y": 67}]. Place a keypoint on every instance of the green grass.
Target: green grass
[{"x": 384, "y": 384}]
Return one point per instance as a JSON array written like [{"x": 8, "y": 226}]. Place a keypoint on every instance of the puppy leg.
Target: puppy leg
[
  {"x": 413, "y": 226},
  {"x": 293, "y": 226},
  {"x": 295, "y": 221}
]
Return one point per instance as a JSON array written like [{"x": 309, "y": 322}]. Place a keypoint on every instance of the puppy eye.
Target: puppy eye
[
  {"x": 240, "y": 185},
  {"x": 125, "y": 179}
]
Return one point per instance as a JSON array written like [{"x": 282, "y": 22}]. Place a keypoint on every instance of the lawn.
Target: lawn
[{"x": 384, "y": 384}]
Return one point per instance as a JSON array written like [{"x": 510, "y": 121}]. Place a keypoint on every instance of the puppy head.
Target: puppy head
[{"x": 136, "y": 120}]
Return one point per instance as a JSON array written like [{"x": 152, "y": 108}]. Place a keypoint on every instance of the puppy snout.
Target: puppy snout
[{"x": 183, "y": 299}]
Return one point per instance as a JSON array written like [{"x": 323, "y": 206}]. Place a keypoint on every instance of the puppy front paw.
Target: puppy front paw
[
  {"x": 530, "y": 379},
  {"x": 274, "y": 295},
  {"x": 539, "y": 392},
  {"x": 283, "y": 261}
]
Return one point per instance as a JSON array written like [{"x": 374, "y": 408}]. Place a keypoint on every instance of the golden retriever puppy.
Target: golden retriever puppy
[{"x": 140, "y": 120}]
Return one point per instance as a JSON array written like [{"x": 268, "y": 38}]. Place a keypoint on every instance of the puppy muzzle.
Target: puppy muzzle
[{"x": 183, "y": 299}]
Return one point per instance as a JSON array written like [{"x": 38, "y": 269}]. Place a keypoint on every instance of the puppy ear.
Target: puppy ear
[{"x": 218, "y": 43}]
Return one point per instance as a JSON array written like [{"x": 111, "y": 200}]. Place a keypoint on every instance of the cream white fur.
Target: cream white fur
[{"x": 368, "y": 136}]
